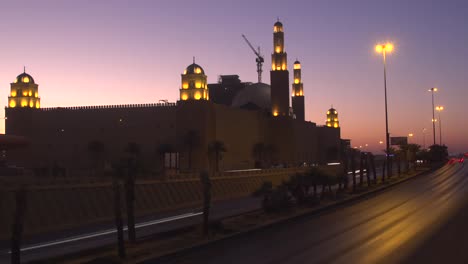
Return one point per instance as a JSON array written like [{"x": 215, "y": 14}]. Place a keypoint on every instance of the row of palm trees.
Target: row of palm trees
[
  {"x": 191, "y": 142},
  {"x": 302, "y": 188}
]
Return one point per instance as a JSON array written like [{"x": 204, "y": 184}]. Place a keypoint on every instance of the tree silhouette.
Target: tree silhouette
[
  {"x": 438, "y": 153},
  {"x": 118, "y": 216},
  {"x": 18, "y": 224},
  {"x": 206, "y": 188},
  {"x": 215, "y": 151},
  {"x": 259, "y": 153},
  {"x": 191, "y": 141},
  {"x": 96, "y": 149}
]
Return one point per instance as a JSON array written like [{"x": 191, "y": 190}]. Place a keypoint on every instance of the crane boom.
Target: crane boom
[{"x": 259, "y": 58}]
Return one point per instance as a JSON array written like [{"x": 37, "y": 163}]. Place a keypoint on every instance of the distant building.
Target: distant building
[
  {"x": 226, "y": 89},
  {"x": 253, "y": 121}
]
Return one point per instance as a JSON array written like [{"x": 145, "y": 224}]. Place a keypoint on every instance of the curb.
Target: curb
[{"x": 329, "y": 207}]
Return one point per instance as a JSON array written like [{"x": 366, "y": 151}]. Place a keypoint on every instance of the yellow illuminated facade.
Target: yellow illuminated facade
[
  {"x": 279, "y": 57},
  {"x": 332, "y": 118},
  {"x": 194, "y": 84},
  {"x": 24, "y": 92}
]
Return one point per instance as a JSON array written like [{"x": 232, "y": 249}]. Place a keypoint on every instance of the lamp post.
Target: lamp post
[
  {"x": 439, "y": 109},
  {"x": 424, "y": 138},
  {"x": 410, "y": 135},
  {"x": 433, "y": 90},
  {"x": 384, "y": 49}
]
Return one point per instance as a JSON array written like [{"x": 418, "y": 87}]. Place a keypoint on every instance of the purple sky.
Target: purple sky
[{"x": 119, "y": 52}]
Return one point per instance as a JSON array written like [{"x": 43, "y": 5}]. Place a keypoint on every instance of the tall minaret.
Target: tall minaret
[
  {"x": 279, "y": 75},
  {"x": 298, "y": 93}
]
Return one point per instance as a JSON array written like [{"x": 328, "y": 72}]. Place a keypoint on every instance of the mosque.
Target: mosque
[{"x": 253, "y": 121}]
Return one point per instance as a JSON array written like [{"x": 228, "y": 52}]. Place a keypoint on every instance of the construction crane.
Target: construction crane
[{"x": 259, "y": 58}]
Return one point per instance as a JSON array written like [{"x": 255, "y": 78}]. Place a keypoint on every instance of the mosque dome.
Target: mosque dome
[
  {"x": 194, "y": 69},
  {"x": 278, "y": 24},
  {"x": 254, "y": 96},
  {"x": 297, "y": 62},
  {"x": 24, "y": 78},
  {"x": 332, "y": 111}
]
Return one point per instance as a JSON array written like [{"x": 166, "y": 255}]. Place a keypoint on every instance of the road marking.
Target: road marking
[{"x": 108, "y": 231}]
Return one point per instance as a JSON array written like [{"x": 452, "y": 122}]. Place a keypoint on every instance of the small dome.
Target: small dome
[
  {"x": 254, "y": 96},
  {"x": 332, "y": 111},
  {"x": 278, "y": 24},
  {"x": 297, "y": 62},
  {"x": 24, "y": 78},
  {"x": 194, "y": 69}
]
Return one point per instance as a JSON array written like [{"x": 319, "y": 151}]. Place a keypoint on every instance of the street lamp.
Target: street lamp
[
  {"x": 424, "y": 138},
  {"x": 410, "y": 135},
  {"x": 433, "y": 90},
  {"x": 439, "y": 109},
  {"x": 384, "y": 49}
]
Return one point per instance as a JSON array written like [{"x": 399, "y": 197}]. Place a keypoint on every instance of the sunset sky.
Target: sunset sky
[{"x": 124, "y": 52}]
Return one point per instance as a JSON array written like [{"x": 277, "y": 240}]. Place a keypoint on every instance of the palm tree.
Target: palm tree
[
  {"x": 353, "y": 167},
  {"x": 130, "y": 198},
  {"x": 18, "y": 224},
  {"x": 118, "y": 217},
  {"x": 206, "y": 187},
  {"x": 259, "y": 152},
  {"x": 361, "y": 169},
  {"x": 372, "y": 162},
  {"x": 96, "y": 149},
  {"x": 215, "y": 151},
  {"x": 191, "y": 141},
  {"x": 413, "y": 150},
  {"x": 367, "y": 165}
]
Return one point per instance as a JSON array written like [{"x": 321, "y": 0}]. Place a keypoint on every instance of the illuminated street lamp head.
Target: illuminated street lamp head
[
  {"x": 433, "y": 90},
  {"x": 410, "y": 135},
  {"x": 439, "y": 108},
  {"x": 384, "y": 48}
]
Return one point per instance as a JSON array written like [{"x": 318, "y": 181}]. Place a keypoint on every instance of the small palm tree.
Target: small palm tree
[
  {"x": 215, "y": 152},
  {"x": 18, "y": 224},
  {"x": 118, "y": 216},
  {"x": 191, "y": 141},
  {"x": 353, "y": 167},
  {"x": 96, "y": 148},
  {"x": 258, "y": 153},
  {"x": 206, "y": 187}
]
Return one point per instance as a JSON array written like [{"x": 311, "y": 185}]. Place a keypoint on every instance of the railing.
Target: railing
[{"x": 95, "y": 107}]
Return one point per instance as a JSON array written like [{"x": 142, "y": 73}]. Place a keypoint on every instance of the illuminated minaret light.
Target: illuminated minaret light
[
  {"x": 332, "y": 118},
  {"x": 279, "y": 75},
  {"x": 298, "y": 93},
  {"x": 24, "y": 92},
  {"x": 194, "y": 83}
]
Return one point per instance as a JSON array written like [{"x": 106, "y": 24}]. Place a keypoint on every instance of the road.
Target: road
[
  {"x": 51, "y": 245},
  {"x": 396, "y": 226},
  {"x": 89, "y": 237}
]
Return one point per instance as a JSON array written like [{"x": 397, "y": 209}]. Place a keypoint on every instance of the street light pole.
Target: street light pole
[
  {"x": 384, "y": 48},
  {"x": 439, "y": 109},
  {"x": 424, "y": 138},
  {"x": 432, "y": 90}
]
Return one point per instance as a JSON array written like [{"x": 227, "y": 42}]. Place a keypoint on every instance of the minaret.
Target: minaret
[
  {"x": 298, "y": 93},
  {"x": 279, "y": 75},
  {"x": 194, "y": 83},
  {"x": 24, "y": 92},
  {"x": 332, "y": 118}
]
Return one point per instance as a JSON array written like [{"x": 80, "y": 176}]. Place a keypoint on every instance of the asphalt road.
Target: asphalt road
[
  {"x": 78, "y": 239},
  {"x": 94, "y": 236},
  {"x": 409, "y": 223}
]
